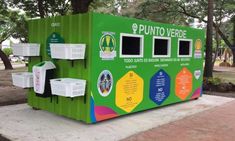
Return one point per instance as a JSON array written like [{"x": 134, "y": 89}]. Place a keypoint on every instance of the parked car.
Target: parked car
[{"x": 14, "y": 59}]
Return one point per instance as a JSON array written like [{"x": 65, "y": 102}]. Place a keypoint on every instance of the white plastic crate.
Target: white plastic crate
[
  {"x": 26, "y": 49},
  {"x": 23, "y": 80},
  {"x": 68, "y": 51},
  {"x": 68, "y": 87}
]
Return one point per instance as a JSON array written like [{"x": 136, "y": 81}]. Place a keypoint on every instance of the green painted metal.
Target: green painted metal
[
  {"x": 89, "y": 29},
  {"x": 71, "y": 29}
]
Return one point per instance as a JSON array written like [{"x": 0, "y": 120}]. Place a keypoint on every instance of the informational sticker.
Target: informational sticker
[
  {"x": 53, "y": 38},
  {"x": 183, "y": 83},
  {"x": 198, "y": 47},
  {"x": 105, "y": 83},
  {"x": 197, "y": 74},
  {"x": 107, "y": 46},
  {"x": 37, "y": 80},
  {"x": 159, "y": 87},
  {"x": 129, "y": 91}
]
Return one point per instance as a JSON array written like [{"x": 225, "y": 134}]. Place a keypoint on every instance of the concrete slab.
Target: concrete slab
[{"x": 20, "y": 122}]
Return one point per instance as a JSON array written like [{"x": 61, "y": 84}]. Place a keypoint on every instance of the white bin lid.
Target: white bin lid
[{"x": 47, "y": 65}]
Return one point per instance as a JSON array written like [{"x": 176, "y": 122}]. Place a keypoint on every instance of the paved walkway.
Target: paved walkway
[
  {"x": 217, "y": 124},
  {"x": 21, "y": 123}
]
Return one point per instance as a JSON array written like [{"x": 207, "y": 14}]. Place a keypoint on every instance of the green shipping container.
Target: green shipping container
[{"x": 130, "y": 65}]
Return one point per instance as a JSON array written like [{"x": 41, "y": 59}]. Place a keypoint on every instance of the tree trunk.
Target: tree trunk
[
  {"x": 227, "y": 42},
  {"x": 208, "y": 62},
  {"x": 80, "y": 6},
  {"x": 41, "y": 8},
  {"x": 217, "y": 47},
  {"x": 233, "y": 50},
  {"x": 5, "y": 60}
]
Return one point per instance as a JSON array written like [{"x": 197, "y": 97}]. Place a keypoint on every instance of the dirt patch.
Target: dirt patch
[{"x": 10, "y": 94}]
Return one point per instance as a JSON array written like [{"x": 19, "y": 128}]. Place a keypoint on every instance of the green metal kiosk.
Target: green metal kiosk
[{"x": 96, "y": 67}]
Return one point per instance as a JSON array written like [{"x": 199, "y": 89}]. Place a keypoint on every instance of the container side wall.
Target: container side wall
[
  {"x": 125, "y": 83},
  {"x": 72, "y": 29}
]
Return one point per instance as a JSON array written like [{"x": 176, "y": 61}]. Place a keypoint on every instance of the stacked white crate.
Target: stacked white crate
[
  {"x": 68, "y": 87},
  {"x": 24, "y": 79},
  {"x": 68, "y": 51},
  {"x": 26, "y": 49}
]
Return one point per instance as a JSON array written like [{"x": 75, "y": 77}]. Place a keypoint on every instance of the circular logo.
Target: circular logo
[
  {"x": 198, "y": 44},
  {"x": 107, "y": 43},
  {"x": 134, "y": 27},
  {"x": 105, "y": 83}
]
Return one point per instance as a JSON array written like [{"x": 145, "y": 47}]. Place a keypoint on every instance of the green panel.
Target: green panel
[
  {"x": 37, "y": 34},
  {"x": 73, "y": 29},
  {"x": 144, "y": 66}
]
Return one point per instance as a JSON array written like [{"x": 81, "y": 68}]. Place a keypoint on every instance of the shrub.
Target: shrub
[
  {"x": 8, "y": 51},
  {"x": 213, "y": 81}
]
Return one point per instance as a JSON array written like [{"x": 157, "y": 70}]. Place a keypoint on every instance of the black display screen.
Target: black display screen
[
  {"x": 131, "y": 45},
  {"x": 184, "y": 48},
  {"x": 160, "y": 47}
]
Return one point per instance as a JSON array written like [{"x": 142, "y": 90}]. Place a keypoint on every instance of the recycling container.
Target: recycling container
[
  {"x": 42, "y": 73},
  {"x": 107, "y": 66}
]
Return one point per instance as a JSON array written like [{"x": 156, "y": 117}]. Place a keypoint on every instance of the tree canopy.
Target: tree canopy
[{"x": 14, "y": 13}]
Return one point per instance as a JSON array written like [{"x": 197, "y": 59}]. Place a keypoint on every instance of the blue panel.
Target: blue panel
[{"x": 159, "y": 87}]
